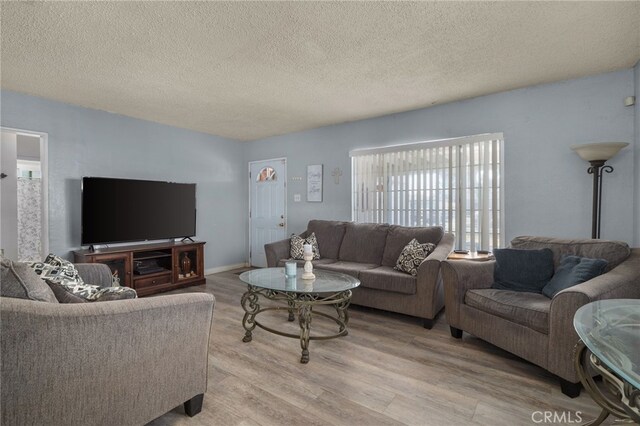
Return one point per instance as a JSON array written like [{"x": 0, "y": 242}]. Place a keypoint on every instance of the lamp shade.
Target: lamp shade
[{"x": 601, "y": 151}]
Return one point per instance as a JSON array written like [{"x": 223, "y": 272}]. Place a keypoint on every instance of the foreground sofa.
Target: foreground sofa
[
  {"x": 369, "y": 252},
  {"x": 122, "y": 362},
  {"x": 531, "y": 325}
]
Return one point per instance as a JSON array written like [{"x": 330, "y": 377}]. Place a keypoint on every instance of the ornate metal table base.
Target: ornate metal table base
[
  {"x": 303, "y": 304},
  {"x": 625, "y": 406}
]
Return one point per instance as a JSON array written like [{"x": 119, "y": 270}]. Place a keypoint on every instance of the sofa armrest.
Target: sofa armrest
[
  {"x": 459, "y": 276},
  {"x": 276, "y": 251},
  {"x": 95, "y": 273},
  {"x": 431, "y": 264},
  {"x": 622, "y": 282},
  {"x": 122, "y": 362},
  {"x": 429, "y": 277},
  {"x": 443, "y": 249}
]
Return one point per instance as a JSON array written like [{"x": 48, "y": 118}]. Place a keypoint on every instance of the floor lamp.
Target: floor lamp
[{"x": 597, "y": 155}]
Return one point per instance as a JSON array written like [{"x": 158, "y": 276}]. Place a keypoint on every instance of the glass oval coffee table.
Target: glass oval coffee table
[
  {"x": 297, "y": 295},
  {"x": 610, "y": 330}
]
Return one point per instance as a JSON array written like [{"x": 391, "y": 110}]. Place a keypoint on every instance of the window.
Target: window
[
  {"x": 454, "y": 183},
  {"x": 266, "y": 174}
]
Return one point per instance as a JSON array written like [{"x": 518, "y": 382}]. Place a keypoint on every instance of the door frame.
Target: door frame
[
  {"x": 286, "y": 216},
  {"x": 44, "y": 179}
]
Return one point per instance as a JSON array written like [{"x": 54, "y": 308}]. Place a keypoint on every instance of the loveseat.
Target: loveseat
[
  {"x": 369, "y": 252},
  {"x": 121, "y": 362},
  {"x": 531, "y": 325}
]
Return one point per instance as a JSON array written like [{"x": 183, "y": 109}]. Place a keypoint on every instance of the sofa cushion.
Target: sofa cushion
[
  {"x": 329, "y": 234},
  {"x": 364, "y": 243},
  {"x": 281, "y": 262},
  {"x": 349, "y": 268},
  {"x": 522, "y": 270},
  {"x": 19, "y": 281},
  {"x": 614, "y": 252},
  {"x": 387, "y": 279},
  {"x": 573, "y": 270},
  {"x": 297, "y": 243},
  {"x": 412, "y": 256},
  {"x": 528, "y": 309},
  {"x": 399, "y": 236}
]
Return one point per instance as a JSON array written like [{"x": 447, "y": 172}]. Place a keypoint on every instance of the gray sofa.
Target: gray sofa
[
  {"x": 369, "y": 252},
  {"x": 531, "y": 325},
  {"x": 122, "y": 362}
]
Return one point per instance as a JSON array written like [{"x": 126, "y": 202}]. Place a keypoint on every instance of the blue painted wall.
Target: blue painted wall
[
  {"x": 548, "y": 190},
  {"x": 87, "y": 142}
]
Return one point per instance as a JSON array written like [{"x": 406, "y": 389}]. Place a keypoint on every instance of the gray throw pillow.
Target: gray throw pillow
[
  {"x": 18, "y": 280},
  {"x": 64, "y": 295},
  {"x": 522, "y": 270},
  {"x": 573, "y": 270}
]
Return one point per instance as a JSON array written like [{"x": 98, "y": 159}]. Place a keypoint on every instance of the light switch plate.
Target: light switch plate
[{"x": 296, "y": 198}]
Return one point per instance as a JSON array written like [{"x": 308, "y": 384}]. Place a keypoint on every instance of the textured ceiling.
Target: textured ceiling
[{"x": 248, "y": 70}]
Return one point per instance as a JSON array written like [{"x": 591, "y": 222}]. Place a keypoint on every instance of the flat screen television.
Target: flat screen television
[{"x": 126, "y": 210}]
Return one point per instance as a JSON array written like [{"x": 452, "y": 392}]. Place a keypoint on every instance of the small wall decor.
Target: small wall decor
[
  {"x": 314, "y": 183},
  {"x": 336, "y": 173}
]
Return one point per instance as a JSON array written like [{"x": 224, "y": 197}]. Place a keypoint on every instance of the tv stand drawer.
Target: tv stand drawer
[{"x": 152, "y": 281}]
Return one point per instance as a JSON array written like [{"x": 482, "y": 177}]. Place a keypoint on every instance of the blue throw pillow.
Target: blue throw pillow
[
  {"x": 522, "y": 270},
  {"x": 573, "y": 270}
]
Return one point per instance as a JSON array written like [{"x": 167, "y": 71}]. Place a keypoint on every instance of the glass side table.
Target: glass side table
[{"x": 610, "y": 330}]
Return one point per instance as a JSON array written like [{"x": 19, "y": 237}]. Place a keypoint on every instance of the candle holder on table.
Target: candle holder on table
[{"x": 308, "y": 267}]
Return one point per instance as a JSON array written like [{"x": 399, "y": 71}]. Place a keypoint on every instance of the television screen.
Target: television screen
[{"x": 123, "y": 210}]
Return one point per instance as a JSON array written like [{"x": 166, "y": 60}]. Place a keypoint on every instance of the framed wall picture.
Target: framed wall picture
[{"x": 314, "y": 183}]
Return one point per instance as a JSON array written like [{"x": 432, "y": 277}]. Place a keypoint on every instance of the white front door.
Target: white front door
[
  {"x": 267, "y": 214},
  {"x": 9, "y": 195}
]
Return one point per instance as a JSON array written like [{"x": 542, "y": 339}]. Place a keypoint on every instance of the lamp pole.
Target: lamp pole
[{"x": 597, "y": 169}]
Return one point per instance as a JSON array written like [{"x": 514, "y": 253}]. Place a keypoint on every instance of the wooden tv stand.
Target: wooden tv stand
[{"x": 168, "y": 258}]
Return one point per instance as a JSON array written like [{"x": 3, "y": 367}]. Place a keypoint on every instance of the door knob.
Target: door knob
[{"x": 3, "y": 175}]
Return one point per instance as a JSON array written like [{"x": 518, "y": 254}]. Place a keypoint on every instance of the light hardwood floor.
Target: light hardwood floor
[{"x": 387, "y": 371}]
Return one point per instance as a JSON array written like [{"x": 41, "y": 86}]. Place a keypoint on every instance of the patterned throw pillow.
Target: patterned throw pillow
[
  {"x": 57, "y": 270},
  {"x": 297, "y": 246},
  {"x": 68, "y": 286},
  {"x": 412, "y": 256}
]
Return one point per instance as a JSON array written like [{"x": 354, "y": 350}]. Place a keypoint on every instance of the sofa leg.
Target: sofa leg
[
  {"x": 428, "y": 323},
  {"x": 572, "y": 390},
  {"x": 456, "y": 332},
  {"x": 194, "y": 405}
]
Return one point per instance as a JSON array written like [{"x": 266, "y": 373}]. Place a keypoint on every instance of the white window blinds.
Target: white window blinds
[{"x": 454, "y": 183}]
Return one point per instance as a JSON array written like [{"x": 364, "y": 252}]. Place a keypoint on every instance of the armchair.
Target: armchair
[
  {"x": 120, "y": 362},
  {"x": 531, "y": 325}
]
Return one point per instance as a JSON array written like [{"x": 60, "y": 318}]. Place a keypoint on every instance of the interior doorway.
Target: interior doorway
[
  {"x": 267, "y": 206},
  {"x": 24, "y": 229}
]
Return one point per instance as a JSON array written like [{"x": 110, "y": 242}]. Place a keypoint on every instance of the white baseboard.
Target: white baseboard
[{"x": 225, "y": 268}]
